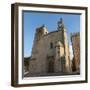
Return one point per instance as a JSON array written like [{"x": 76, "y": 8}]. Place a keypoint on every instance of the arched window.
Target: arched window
[{"x": 51, "y": 45}]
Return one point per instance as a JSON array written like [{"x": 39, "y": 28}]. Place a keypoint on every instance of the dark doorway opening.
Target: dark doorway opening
[
  {"x": 62, "y": 64},
  {"x": 50, "y": 64}
]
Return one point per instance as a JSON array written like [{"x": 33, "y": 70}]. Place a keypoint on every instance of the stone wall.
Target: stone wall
[{"x": 75, "y": 38}]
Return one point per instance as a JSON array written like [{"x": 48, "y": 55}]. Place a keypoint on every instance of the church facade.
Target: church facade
[{"x": 50, "y": 51}]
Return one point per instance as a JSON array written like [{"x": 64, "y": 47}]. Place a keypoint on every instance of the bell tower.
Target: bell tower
[
  {"x": 61, "y": 24},
  {"x": 66, "y": 54}
]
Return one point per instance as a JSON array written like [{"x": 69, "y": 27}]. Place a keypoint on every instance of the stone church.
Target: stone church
[{"x": 50, "y": 51}]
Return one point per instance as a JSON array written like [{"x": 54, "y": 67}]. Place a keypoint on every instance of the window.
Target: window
[{"x": 51, "y": 45}]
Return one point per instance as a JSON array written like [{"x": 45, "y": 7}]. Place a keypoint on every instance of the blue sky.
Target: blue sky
[{"x": 32, "y": 20}]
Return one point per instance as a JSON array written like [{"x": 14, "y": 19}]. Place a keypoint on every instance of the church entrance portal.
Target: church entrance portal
[{"x": 50, "y": 64}]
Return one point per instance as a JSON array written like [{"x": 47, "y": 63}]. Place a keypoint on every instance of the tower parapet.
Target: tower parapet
[{"x": 41, "y": 31}]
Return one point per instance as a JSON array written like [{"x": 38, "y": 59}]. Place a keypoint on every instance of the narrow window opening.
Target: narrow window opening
[{"x": 51, "y": 45}]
